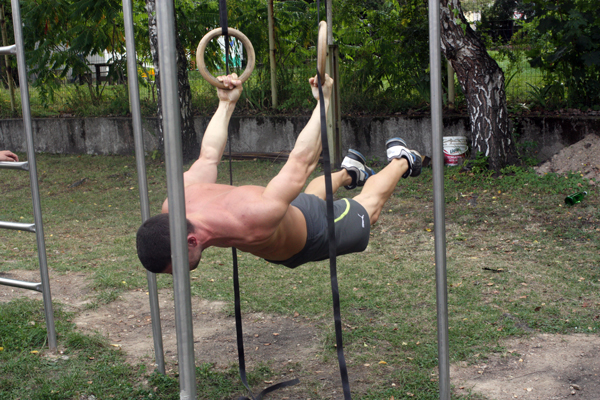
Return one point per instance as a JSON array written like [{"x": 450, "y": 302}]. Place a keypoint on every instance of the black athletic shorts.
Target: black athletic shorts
[{"x": 352, "y": 228}]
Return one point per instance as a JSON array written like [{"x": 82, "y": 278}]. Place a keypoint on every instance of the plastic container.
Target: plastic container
[{"x": 455, "y": 149}]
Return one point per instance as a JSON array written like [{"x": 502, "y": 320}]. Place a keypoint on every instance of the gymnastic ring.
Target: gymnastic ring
[
  {"x": 202, "y": 48},
  {"x": 322, "y": 49}
]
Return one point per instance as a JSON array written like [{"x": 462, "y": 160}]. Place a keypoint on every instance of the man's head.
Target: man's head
[{"x": 154, "y": 244}]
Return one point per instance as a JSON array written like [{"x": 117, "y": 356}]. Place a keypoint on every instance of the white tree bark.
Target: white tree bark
[{"x": 482, "y": 82}]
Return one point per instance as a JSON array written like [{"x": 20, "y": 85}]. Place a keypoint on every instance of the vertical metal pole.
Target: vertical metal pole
[
  {"x": 334, "y": 120},
  {"x": 35, "y": 193},
  {"x": 165, "y": 26},
  {"x": 136, "y": 116},
  {"x": 272, "y": 53},
  {"x": 438, "y": 197}
]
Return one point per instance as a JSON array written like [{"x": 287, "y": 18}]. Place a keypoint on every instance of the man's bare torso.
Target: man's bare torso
[{"x": 241, "y": 217}]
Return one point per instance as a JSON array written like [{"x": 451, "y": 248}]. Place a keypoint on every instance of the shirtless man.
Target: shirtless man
[{"x": 276, "y": 222}]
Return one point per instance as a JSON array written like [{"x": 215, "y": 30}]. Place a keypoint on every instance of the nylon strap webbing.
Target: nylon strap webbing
[
  {"x": 331, "y": 233},
  {"x": 236, "y": 281}
]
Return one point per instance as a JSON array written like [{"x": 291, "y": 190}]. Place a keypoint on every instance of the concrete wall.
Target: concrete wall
[{"x": 547, "y": 135}]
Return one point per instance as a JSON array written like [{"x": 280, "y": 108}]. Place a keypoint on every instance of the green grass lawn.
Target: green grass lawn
[{"x": 519, "y": 262}]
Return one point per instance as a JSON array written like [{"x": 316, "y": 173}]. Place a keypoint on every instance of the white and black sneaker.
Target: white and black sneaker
[
  {"x": 355, "y": 164},
  {"x": 396, "y": 148}
]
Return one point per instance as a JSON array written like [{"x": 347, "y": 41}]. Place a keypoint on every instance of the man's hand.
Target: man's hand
[
  {"x": 234, "y": 88},
  {"x": 327, "y": 85},
  {"x": 6, "y": 155}
]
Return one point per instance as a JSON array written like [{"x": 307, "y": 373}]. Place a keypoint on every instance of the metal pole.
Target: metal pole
[
  {"x": 24, "y": 165},
  {"x": 22, "y": 284},
  {"x": 165, "y": 24},
  {"x": 438, "y": 197},
  {"x": 272, "y": 65},
  {"x": 35, "y": 194},
  {"x": 136, "y": 117}
]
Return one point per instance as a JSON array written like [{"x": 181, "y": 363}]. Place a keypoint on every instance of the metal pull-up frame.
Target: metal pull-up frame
[
  {"x": 30, "y": 165},
  {"x": 172, "y": 134},
  {"x": 136, "y": 116}
]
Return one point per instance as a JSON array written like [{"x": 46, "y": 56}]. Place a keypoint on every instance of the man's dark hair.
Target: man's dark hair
[{"x": 154, "y": 243}]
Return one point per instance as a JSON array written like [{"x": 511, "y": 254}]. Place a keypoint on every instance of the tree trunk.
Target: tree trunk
[
  {"x": 190, "y": 145},
  {"x": 482, "y": 82}
]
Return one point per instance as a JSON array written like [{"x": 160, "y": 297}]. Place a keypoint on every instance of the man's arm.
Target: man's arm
[
  {"x": 304, "y": 157},
  {"x": 204, "y": 170}
]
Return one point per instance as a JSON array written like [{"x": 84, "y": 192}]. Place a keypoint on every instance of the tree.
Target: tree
[
  {"x": 564, "y": 40},
  {"x": 59, "y": 35},
  {"x": 383, "y": 49},
  {"x": 482, "y": 82},
  {"x": 189, "y": 143}
]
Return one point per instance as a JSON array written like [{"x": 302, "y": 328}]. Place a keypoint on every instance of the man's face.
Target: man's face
[{"x": 194, "y": 260}]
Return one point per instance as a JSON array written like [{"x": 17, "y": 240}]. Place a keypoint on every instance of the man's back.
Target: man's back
[{"x": 241, "y": 217}]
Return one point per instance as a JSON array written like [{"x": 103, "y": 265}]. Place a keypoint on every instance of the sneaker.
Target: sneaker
[
  {"x": 355, "y": 164},
  {"x": 396, "y": 148}
]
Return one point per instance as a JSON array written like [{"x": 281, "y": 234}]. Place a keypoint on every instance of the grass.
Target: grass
[{"x": 519, "y": 262}]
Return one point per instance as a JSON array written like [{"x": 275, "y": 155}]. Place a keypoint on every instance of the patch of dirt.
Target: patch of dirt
[
  {"x": 289, "y": 345},
  {"x": 544, "y": 367},
  {"x": 583, "y": 157}
]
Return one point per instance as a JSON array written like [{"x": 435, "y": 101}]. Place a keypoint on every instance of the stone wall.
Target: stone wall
[{"x": 543, "y": 135}]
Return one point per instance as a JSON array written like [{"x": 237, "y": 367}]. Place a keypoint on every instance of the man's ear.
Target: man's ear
[{"x": 192, "y": 240}]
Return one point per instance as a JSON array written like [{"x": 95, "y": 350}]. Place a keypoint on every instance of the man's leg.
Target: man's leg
[
  {"x": 338, "y": 179},
  {"x": 354, "y": 173},
  {"x": 378, "y": 188}
]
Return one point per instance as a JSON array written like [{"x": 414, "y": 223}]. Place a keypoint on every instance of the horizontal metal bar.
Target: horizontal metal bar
[
  {"x": 17, "y": 226},
  {"x": 8, "y": 50},
  {"x": 24, "y": 165},
  {"x": 21, "y": 284}
]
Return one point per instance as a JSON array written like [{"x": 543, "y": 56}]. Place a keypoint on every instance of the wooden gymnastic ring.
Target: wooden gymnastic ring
[
  {"x": 202, "y": 48},
  {"x": 322, "y": 49}
]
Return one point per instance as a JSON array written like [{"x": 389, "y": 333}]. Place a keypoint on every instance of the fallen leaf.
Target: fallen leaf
[{"x": 382, "y": 363}]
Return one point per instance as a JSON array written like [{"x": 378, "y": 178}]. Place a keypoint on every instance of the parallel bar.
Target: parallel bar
[
  {"x": 165, "y": 24},
  {"x": 17, "y": 226},
  {"x": 24, "y": 165},
  {"x": 437, "y": 158},
  {"x": 22, "y": 284},
  {"x": 8, "y": 50},
  {"x": 35, "y": 194},
  {"x": 136, "y": 115}
]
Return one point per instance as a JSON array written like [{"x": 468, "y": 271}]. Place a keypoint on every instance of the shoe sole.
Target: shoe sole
[
  {"x": 361, "y": 158},
  {"x": 402, "y": 142}
]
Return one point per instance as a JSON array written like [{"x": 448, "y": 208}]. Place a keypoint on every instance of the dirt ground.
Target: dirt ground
[
  {"x": 542, "y": 367},
  {"x": 583, "y": 157},
  {"x": 287, "y": 344}
]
